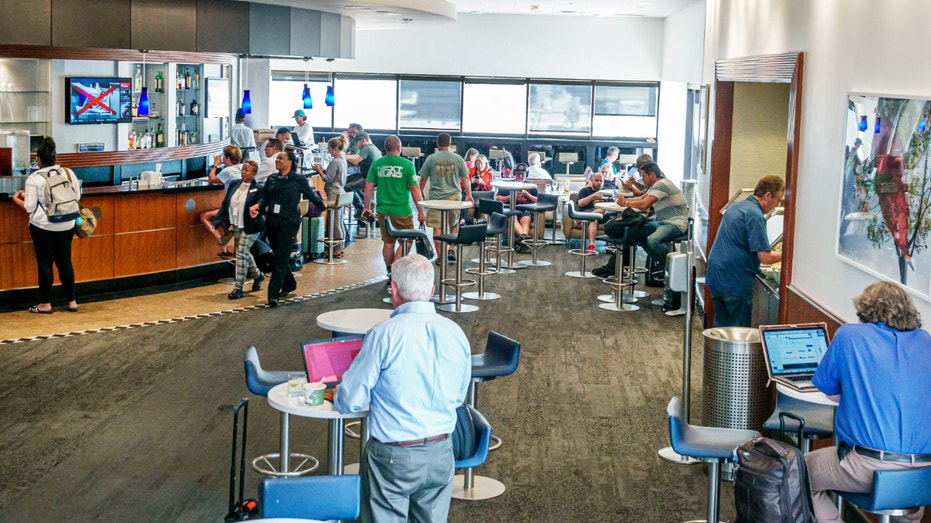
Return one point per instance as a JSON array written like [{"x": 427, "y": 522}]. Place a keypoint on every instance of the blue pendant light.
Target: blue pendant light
[
  {"x": 308, "y": 101},
  {"x": 330, "y": 97},
  {"x": 863, "y": 123},
  {"x": 878, "y": 125},
  {"x": 143, "y": 109},
  {"x": 246, "y": 102},
  {"x": 923, "y": 124}
]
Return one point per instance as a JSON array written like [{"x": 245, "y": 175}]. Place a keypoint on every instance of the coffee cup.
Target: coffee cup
[{"x": 313, "y": 393}]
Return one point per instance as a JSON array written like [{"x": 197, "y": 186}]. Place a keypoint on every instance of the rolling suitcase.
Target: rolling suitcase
[
  {"x": 312, "y": 233},
  {"x": 244, "y": 509}
]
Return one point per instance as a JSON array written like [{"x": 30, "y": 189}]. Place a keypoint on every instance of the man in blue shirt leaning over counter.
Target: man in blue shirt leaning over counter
[
  {"x": 412, "y": 373},
  {"x": 738, "y": 249},
  {"x": 880, "y": 373}
]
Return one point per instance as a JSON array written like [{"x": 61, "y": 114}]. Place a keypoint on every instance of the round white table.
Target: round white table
[
  {"x": 445, "y": 207},
  {"x": 279, "y": 400},
  {"x": 610, "y": 206},
  {"x": 512, "y": 187},
  {"x": 352, "y": 321}
]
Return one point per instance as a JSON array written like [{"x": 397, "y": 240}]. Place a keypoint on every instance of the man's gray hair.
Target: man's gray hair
[
  {"x": 612, "y": 151},
  {"x": 533, "y": 159},
  {"x": 413, "y": 275}
]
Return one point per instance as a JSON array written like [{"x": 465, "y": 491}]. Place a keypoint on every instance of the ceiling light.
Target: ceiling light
[{"x": 406, "y": 20}]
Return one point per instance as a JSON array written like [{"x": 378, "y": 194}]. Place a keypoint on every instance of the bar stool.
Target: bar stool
[
  {"x": 333, "y": 211},
  {"x": 813, "y": 420},
  {"x": 467, "y": 235},
  {"x": 712, "y": 445},
  {"x": 624, "y": 278},
  {"x": 478, "y": 196},
  {"x": 584, "y": 218},
  {"x": 895, "y": 493},
  {"x": 545, "y": 203},
  {"x": 483, "y": 488},
  {"x": 406, "y": 237},
  {"x": 501, "y": 356},
  {"x": 259, "y": 382},
  {"x": 496, "y": 226},
  {"x": 488, "y": 208}
]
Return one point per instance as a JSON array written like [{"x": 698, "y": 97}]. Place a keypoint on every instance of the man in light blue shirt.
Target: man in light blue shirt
[{"x": 412, "y": 373}]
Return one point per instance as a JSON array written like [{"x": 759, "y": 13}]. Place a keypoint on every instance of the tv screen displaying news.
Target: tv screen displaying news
[{"x": 98, "y": 100}]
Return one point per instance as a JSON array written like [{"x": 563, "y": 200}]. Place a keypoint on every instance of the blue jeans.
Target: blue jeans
[{"x": 730, "y": 310}]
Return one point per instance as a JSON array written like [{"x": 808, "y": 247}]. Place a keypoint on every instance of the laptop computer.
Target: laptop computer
[
  {"x": 793, "y": 353},
  {"x": 326, "y": 360}
]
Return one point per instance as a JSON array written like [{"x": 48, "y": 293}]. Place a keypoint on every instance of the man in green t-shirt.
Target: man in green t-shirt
[
  {"x": 448, "y": 176},
  {"x": 396, "y": 180}
]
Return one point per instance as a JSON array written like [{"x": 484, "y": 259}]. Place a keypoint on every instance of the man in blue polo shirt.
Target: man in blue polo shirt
[
  {"x": 738, "y": 249},
  {"x": 880, "y": 373}
]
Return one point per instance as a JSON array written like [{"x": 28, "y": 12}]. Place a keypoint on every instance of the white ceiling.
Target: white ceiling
[{"x": 385, "y": 14}]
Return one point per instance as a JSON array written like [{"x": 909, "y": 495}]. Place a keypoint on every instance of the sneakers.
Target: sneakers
[
  {"x": 451, "y": 257},
  {"x": 603, "y": 272},
  {"x": 591, "y": 248},
  {"x": 257, "y": 282},
  {"x": 236, "y": 294}
]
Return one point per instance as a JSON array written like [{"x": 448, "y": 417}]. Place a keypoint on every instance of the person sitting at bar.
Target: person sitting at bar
[
  {"x": 522, "y": 222},
  {"x": 334, "y": 179},
  {"x": 284, "y": 135},
  {"x": 631, "y": 184},
  {"x": 588, "y": 197},
  {"x": 479, "y": 175},
  {"x": 535, "y": 171},
  {"x": 270, "y": 149},
  {"x": 879, "y": 372},
  {"x": 231, "y": 170},
  {"x": 470, "y": 155},
  {"x": 240, "y": 135},
  {"x": 610, "y": 175},
  {"x": 303, "y": 130}
]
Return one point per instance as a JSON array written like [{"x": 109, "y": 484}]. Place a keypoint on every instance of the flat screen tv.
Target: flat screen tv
[
  {"x": 98, "y": 100},
  {"x": 218, "y": 98}
]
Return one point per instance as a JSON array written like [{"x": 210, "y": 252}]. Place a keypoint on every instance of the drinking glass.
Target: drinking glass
[{"x": 295, "y": 381}]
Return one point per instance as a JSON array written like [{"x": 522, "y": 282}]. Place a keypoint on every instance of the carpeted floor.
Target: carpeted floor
[{"x": 127, "y": 425}]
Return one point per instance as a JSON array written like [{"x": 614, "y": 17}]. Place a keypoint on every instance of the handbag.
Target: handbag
[
  {"x": 424, "y": 246},
  {"x": 85, "y": 224}
]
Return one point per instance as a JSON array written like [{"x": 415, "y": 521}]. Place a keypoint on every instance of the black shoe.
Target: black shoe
[
  {"x": 273, "y": 302},
  {"x": 236, "y": 294},
  {"x": 603, "y": 272},
  {"x": 451, "y": 257},
  {"x": 257, "y": 282},
  {"x": 286, "y": 291}
]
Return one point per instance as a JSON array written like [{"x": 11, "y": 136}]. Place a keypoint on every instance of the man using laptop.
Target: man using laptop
[
  {"x": 412, "y": 373},
  {"x": 303, "y": 132},
  {"x": 880, "y": 373}
]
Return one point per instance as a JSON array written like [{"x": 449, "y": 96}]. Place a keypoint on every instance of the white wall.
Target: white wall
[
  {"x": 862, "y": 46},
  {"x": 66, "y": 135},
  {"x": 684, "y": 34}
]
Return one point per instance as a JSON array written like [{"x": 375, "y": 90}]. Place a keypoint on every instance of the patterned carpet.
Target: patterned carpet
[{"x": 126, "y": 425}]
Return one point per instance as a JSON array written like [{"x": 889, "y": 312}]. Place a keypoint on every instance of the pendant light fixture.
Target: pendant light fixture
[
  {"x": 246, "y": 104},
  {"x": 923, "y": 124},
  {"x": 863, "y": 123},
  {"x": 330, "y": 95},
  {"x": 305, "y": 96},
  {"x": 878, "y": 127},
  {"x": 143, "y": 109}
]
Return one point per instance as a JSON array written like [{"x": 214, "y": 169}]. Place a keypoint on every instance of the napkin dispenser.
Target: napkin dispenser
[{"x": 150, "y": 180}]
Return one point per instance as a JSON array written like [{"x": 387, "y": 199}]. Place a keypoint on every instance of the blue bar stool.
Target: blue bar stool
[
  {"x": 500, "y": 359},
  {"x": 476, "y": 487},
  {"x": 895, "y": 493},
  {"x": 315, "y": 497},
  {"x": 709, "y": 444},
  {"x": 817, "y": 421}
]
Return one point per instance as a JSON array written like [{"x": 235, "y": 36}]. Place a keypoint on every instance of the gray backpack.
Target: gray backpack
[
  {"x": 771, "y": 484},
  {"x": 61, "y": 196}
]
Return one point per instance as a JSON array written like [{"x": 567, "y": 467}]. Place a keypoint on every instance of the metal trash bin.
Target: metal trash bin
[{"x": 734, "y": 393}]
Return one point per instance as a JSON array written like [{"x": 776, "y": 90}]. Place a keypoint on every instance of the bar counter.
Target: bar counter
[{"x": 139, "y": 232}]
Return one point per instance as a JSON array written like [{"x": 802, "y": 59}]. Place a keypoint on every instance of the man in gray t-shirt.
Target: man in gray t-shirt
[{"x": 448, "y": 175}]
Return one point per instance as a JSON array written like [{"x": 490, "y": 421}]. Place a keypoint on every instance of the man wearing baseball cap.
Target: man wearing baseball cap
[{"x": 303, "y": 130}]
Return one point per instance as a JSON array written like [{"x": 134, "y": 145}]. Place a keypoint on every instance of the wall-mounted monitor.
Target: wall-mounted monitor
[
  {"x": 218, "y": 98},
  {"x": 98, "y": 100}
]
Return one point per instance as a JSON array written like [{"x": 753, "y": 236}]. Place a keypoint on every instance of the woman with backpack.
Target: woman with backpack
[{"x": 51, "y": 224}]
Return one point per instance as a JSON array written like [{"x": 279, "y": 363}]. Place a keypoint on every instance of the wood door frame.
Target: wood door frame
[{"x": 781, "y": 68}]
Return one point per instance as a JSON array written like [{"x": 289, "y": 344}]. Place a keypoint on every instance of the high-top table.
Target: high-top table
[
  {"x": 512, "y": 187},
  {"x": 352, "y": 321},
  {"x": 445, "y": 207},
  {"x": 279, "y": 400}
]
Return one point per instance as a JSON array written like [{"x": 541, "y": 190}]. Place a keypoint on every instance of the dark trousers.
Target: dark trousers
[
  {"x": 281, "y": 239},
  {"x": 53, "y": 247},
  {"x": 730, "y": 310}
]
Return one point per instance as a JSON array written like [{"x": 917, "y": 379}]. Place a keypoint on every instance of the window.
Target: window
[
  {"x": 285, "y": 98},
  {"x": 625, "y": 110},
  {"x": 369, "y": 101},
  {"x": 430, "y": 104},
  {"x": 497, "y": 108},
  {"x": 560, "y": 109}
]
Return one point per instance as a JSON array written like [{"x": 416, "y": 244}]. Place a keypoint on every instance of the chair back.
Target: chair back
[
  {"x": 469, "y": 234},
  {"x": 490, "y": 206},
  {"x": 497, "y": 225},
  {"x": 895, "y": 489},
  {"x": 677, "y": 424},
  {"x": 258, "y": 380},
  {"x": 550, "y": 200},
  {"x": 500, "y": 358},
  {"x": 482, "y": 439},
  {"x": 478, "y": 196},
  {"x": 311, "y": 497}
]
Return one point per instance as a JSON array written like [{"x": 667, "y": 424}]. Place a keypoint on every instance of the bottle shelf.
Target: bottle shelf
[
  {"x": 23, "y": 92},
  {"x": 24, "y": 122}
]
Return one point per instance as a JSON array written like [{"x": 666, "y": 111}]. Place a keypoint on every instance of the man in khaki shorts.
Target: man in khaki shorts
[
  {"x": 396, "y": 180},
  {"x": 445, "y": 169}
]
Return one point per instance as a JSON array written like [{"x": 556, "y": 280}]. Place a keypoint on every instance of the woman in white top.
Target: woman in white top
[
  {"x": 242, "y": 194},
  {"x": 51, "y": 241}
]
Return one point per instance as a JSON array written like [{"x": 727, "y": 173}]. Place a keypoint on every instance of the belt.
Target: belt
[
  {"x": 413, "y": 442},
  {"x": 882, "y": 455}
]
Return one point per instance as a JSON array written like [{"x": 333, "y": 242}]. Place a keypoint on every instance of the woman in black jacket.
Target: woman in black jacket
[
  {"x": 234, "y": 212},
  {"x": 278, "y": 200}
]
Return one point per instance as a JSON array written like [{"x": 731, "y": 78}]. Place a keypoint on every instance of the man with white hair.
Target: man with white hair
[
  {"x": 412, "y": 372},
  {"x": 535, "y": 171}
]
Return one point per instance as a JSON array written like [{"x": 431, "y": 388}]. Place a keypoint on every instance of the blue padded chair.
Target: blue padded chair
[
  {"x": 477, "y": 487},
  {"x": 817, "y": 420},
  {"x": 260, "y": 381},
  {"x": 312, "y": 497},
  {"x": 895, "y": 493},
  {"x": 709, "y": 444},
  {"x": 501, "y": 356}
]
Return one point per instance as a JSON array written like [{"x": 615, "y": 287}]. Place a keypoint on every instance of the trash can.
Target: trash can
[{"x": 734, "y": 394}]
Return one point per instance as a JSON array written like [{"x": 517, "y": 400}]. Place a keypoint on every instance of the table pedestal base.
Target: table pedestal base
[
  {"x": 625, "y": 307},
  {"x": 610, "y": 298},
  {"x": 477, "y": 296},
  {"x": 531, "y": 263},
  {"x": 451, "y": 307},
  {"x": 482, "y": 488}
]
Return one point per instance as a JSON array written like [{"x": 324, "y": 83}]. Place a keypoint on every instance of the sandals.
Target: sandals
[
  {"x": 338, "y": 255},
  {"x": 35, "y": 310},
  {"x": 73, "y": 309}
]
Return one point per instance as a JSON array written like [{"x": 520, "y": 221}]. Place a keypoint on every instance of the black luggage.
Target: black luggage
[
  {"x": 264, "y": 257},
  {"x": 244, "y": 509},
  {"x": 771, "y": 484}
]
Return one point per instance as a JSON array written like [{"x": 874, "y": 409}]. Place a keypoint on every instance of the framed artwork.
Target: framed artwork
[{"x": 885, "y": 215}]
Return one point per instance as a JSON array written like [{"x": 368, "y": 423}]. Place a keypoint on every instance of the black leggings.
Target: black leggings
[
  {"x": 53, "y": 247},
  {"x": 281, "y": 237}
]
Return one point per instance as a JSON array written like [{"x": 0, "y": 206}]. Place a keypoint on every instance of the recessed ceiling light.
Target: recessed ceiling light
[{"x": 406, "y": 20}]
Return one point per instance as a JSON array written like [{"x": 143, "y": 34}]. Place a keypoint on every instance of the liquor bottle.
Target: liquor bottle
[
  {"x": 183, "y": 135},
  {"x": 187, "y": 78},
  {"x": 132, "y": 139},
  {"x": 137, "y": 82},
  {"x": 180, "y": 107},
  {"x": 196, "y": 79},
  {"x": 160, "y": 137},
  {"x": 135, "y": 108},
  {"x": 195, "y": 109},
  {"x": 180, "y": 80},
  {"x": 159, "y": 85}
]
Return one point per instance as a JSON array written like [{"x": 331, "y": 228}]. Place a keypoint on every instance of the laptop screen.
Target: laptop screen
[
  {"x": 794, "y": 349},
  {"x": 327, "y": 360}
]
